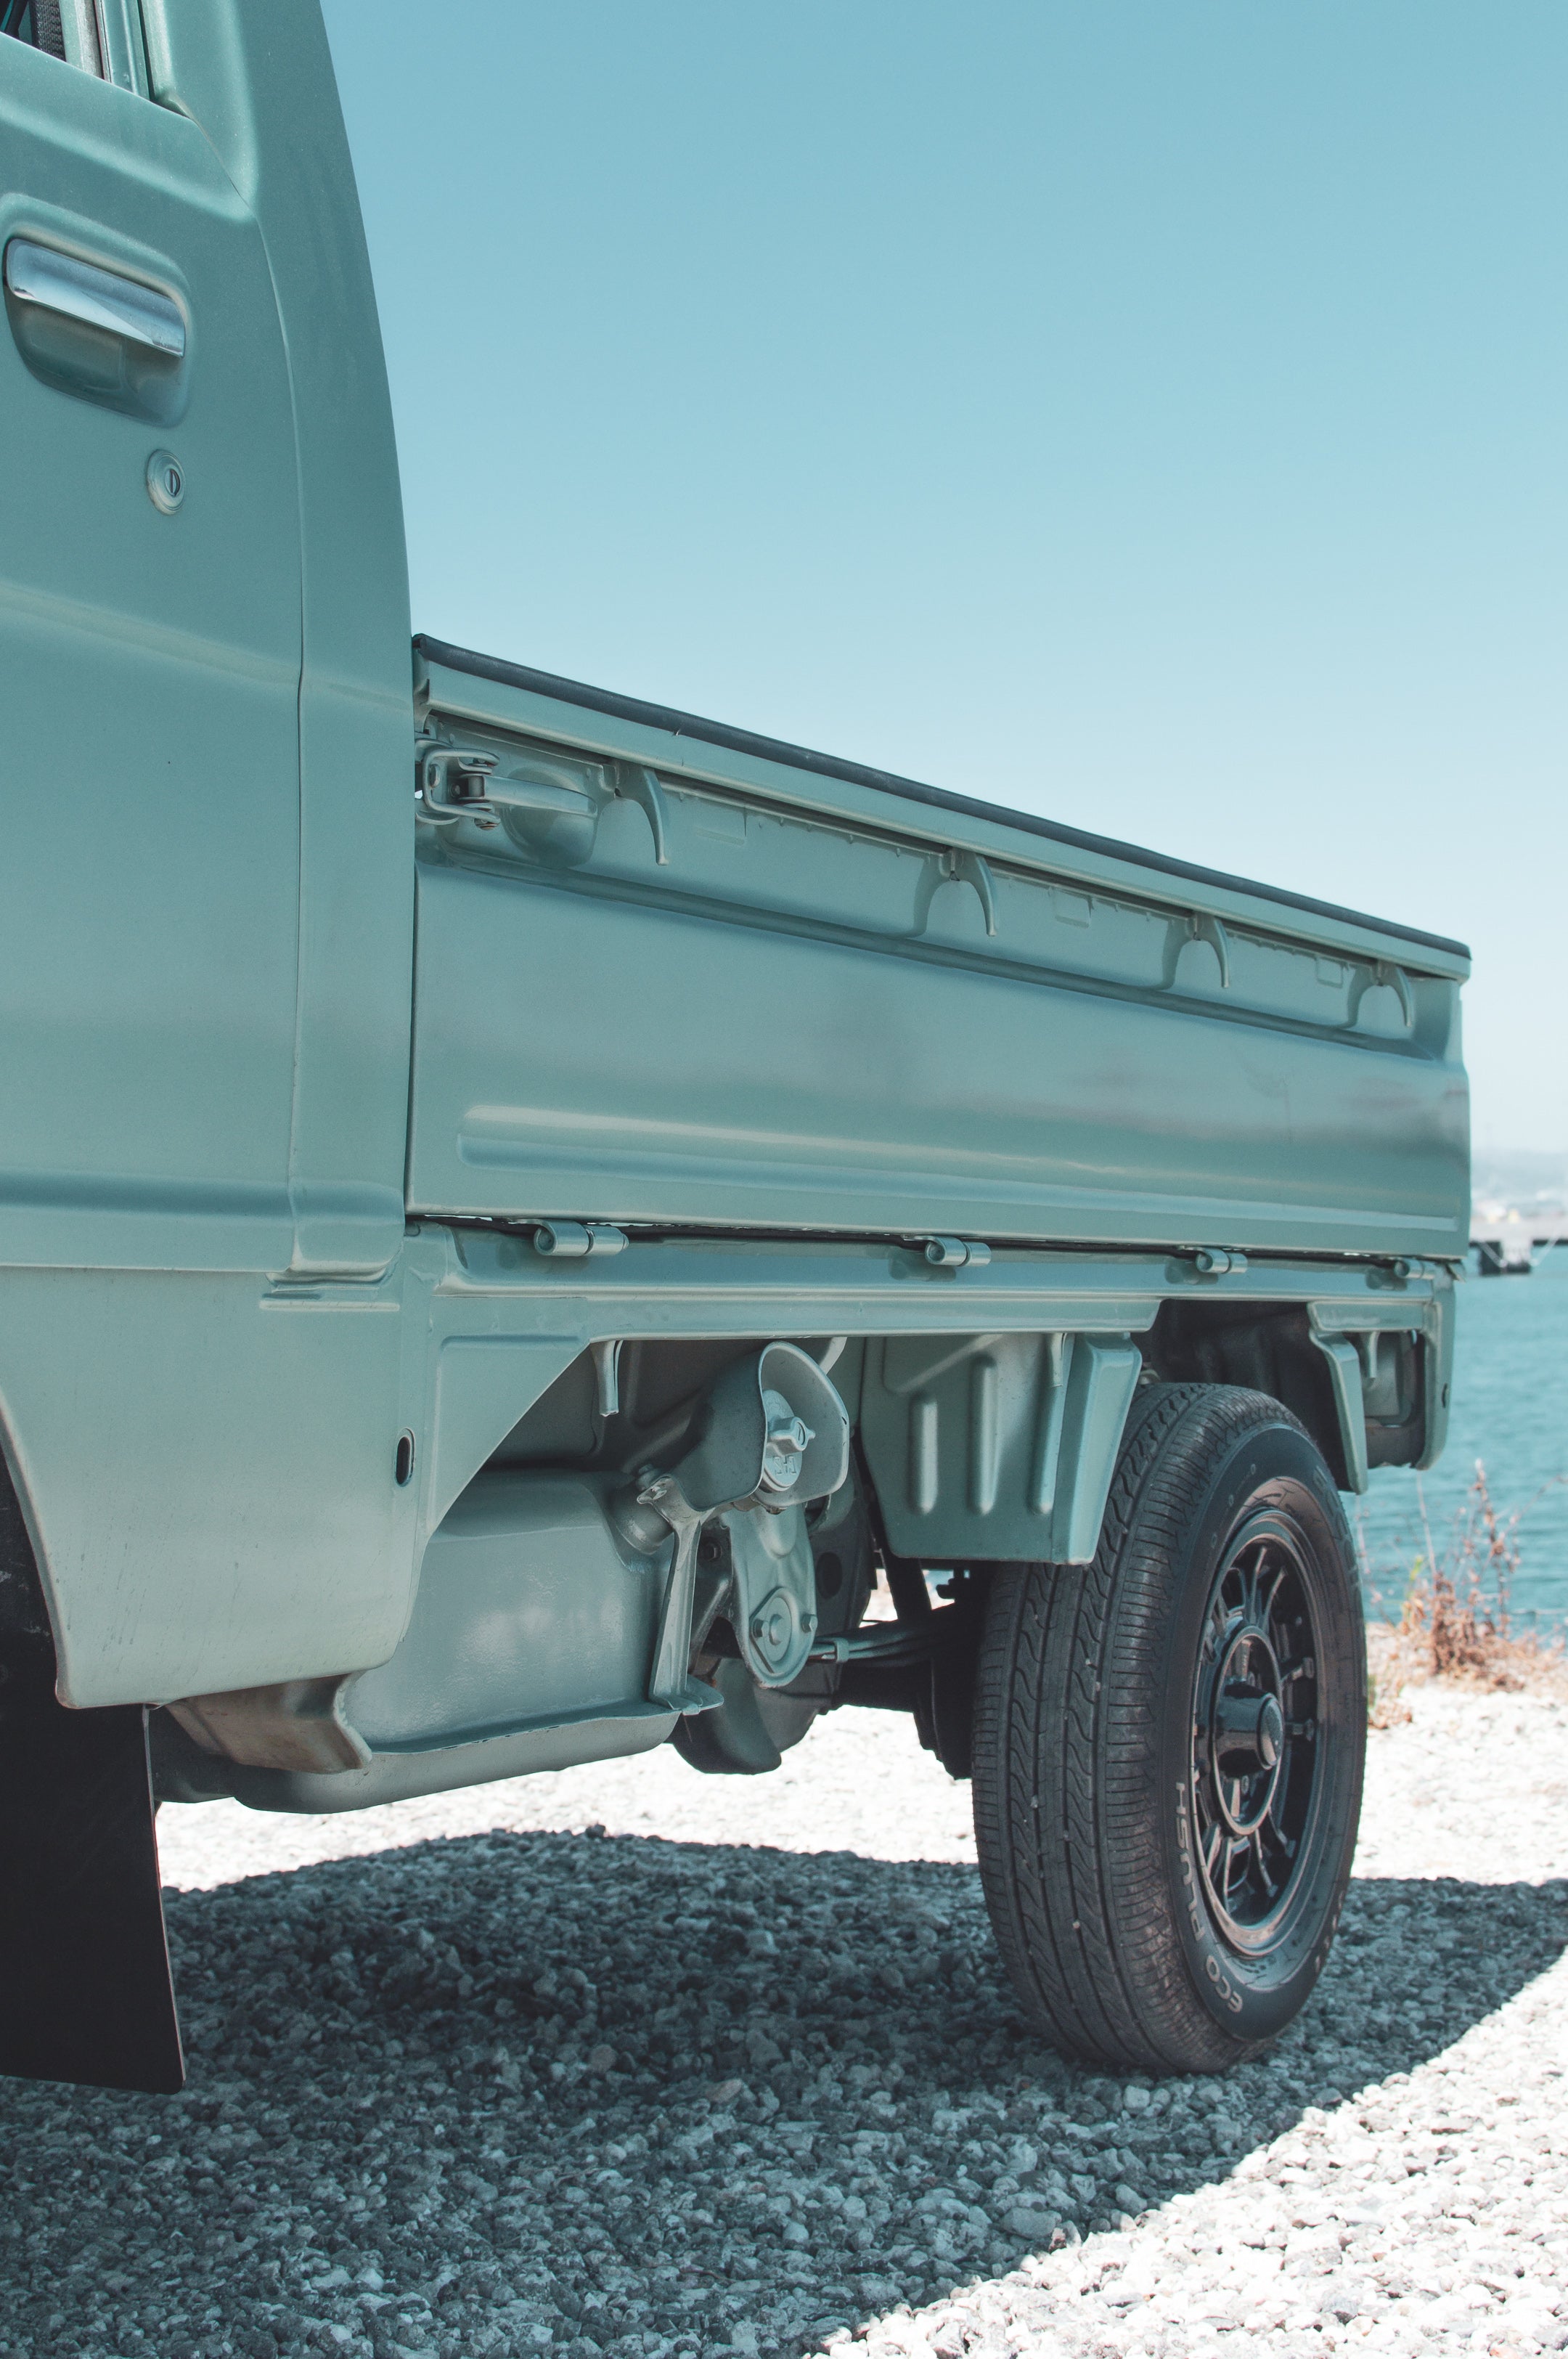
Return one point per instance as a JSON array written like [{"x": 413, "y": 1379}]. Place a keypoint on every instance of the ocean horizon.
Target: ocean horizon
[{"x": 1510, "y": 1352}]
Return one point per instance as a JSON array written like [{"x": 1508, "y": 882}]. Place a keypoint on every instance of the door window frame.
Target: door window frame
[
  {"x": 102, "y": 38},
  {"x": 121, "y": 47}
]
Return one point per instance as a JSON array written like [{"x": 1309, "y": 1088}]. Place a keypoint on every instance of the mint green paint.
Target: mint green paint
[
  {"x": 1344, "y": 1368},
  {"x": 806, "y": 1016},
  {"x": 1100, "y": 1386},
  {"x": 259, "y": 80},
  {"x": 480, "y": 1380},
  {"x": 655, "y": 984},
  {"x": 149, "y": 906},
  {"x": 527, "y": 1617},
  {"x": 1433, "y": 1322},
  {"x": 996, "y": 1446},
  {"x": 205, "y": 947},
  {"x": 208, "y": 1461}
]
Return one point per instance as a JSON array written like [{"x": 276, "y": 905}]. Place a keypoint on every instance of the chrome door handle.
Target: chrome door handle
[{"x": 100, "y": 299}]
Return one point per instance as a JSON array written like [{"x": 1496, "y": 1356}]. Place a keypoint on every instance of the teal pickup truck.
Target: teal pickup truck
[{"x": 534, "y": 1226}]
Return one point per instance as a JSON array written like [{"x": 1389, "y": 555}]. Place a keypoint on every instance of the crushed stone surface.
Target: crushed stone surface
[{"x": 740, "y": 2074}]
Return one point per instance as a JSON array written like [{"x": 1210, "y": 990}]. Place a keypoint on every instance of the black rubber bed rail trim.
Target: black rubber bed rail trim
[{"x": 824, "y": 766}]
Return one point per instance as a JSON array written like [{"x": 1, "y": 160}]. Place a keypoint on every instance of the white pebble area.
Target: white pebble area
[
  {"x": 789, "y": 2105},
  {"x": 1428, "y": 2212}
]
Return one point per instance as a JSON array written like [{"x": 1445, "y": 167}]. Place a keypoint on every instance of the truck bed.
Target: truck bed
[{"x": 844, "y": 1001}]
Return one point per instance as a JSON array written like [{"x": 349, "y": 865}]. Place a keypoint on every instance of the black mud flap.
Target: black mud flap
[{"x": 85, "y": 1989}]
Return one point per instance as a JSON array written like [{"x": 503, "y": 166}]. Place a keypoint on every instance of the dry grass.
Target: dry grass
[{"x": 1455, "y": 1623}]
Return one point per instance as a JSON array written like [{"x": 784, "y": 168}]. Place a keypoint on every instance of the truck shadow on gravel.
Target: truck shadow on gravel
[{"x": 620, "y": 2094}]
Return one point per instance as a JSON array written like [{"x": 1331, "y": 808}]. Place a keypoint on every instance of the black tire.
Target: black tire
[{"x": 1152, "y": 1913}]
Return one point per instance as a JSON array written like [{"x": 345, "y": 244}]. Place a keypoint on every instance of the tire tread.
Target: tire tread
[{"x": 1066, "y": 1776}]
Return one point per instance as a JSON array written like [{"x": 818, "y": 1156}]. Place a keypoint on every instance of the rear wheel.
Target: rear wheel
[{"x": 1169, "y": 1744}]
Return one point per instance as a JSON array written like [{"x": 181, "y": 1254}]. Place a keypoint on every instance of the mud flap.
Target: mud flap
[{"x": 85, "y": 1989}]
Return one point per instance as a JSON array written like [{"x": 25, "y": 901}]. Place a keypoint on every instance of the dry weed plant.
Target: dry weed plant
[{"x": 1456, "y": 1621}]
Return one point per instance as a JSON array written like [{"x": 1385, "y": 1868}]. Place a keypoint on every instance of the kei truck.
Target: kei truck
[{"x": 525, "y": 1213}]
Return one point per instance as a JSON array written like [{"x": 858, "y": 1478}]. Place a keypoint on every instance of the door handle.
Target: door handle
[{"x": 58, "y": 282}]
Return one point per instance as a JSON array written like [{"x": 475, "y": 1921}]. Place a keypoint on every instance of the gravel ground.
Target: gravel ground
[{"x": 739, "y": 2074}]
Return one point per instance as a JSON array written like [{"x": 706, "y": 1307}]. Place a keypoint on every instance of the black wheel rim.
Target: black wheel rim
[{"x": 1257, "y": 1733}]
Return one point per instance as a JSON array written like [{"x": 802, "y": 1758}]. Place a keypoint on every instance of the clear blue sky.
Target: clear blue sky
[{"x": 1150, "y": 412}]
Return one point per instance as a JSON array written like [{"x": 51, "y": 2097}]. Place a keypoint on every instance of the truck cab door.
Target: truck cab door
[{"x": 150, "y": 651}]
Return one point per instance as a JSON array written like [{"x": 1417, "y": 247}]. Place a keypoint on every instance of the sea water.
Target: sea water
[{"x": 1510, "y": 1412}]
